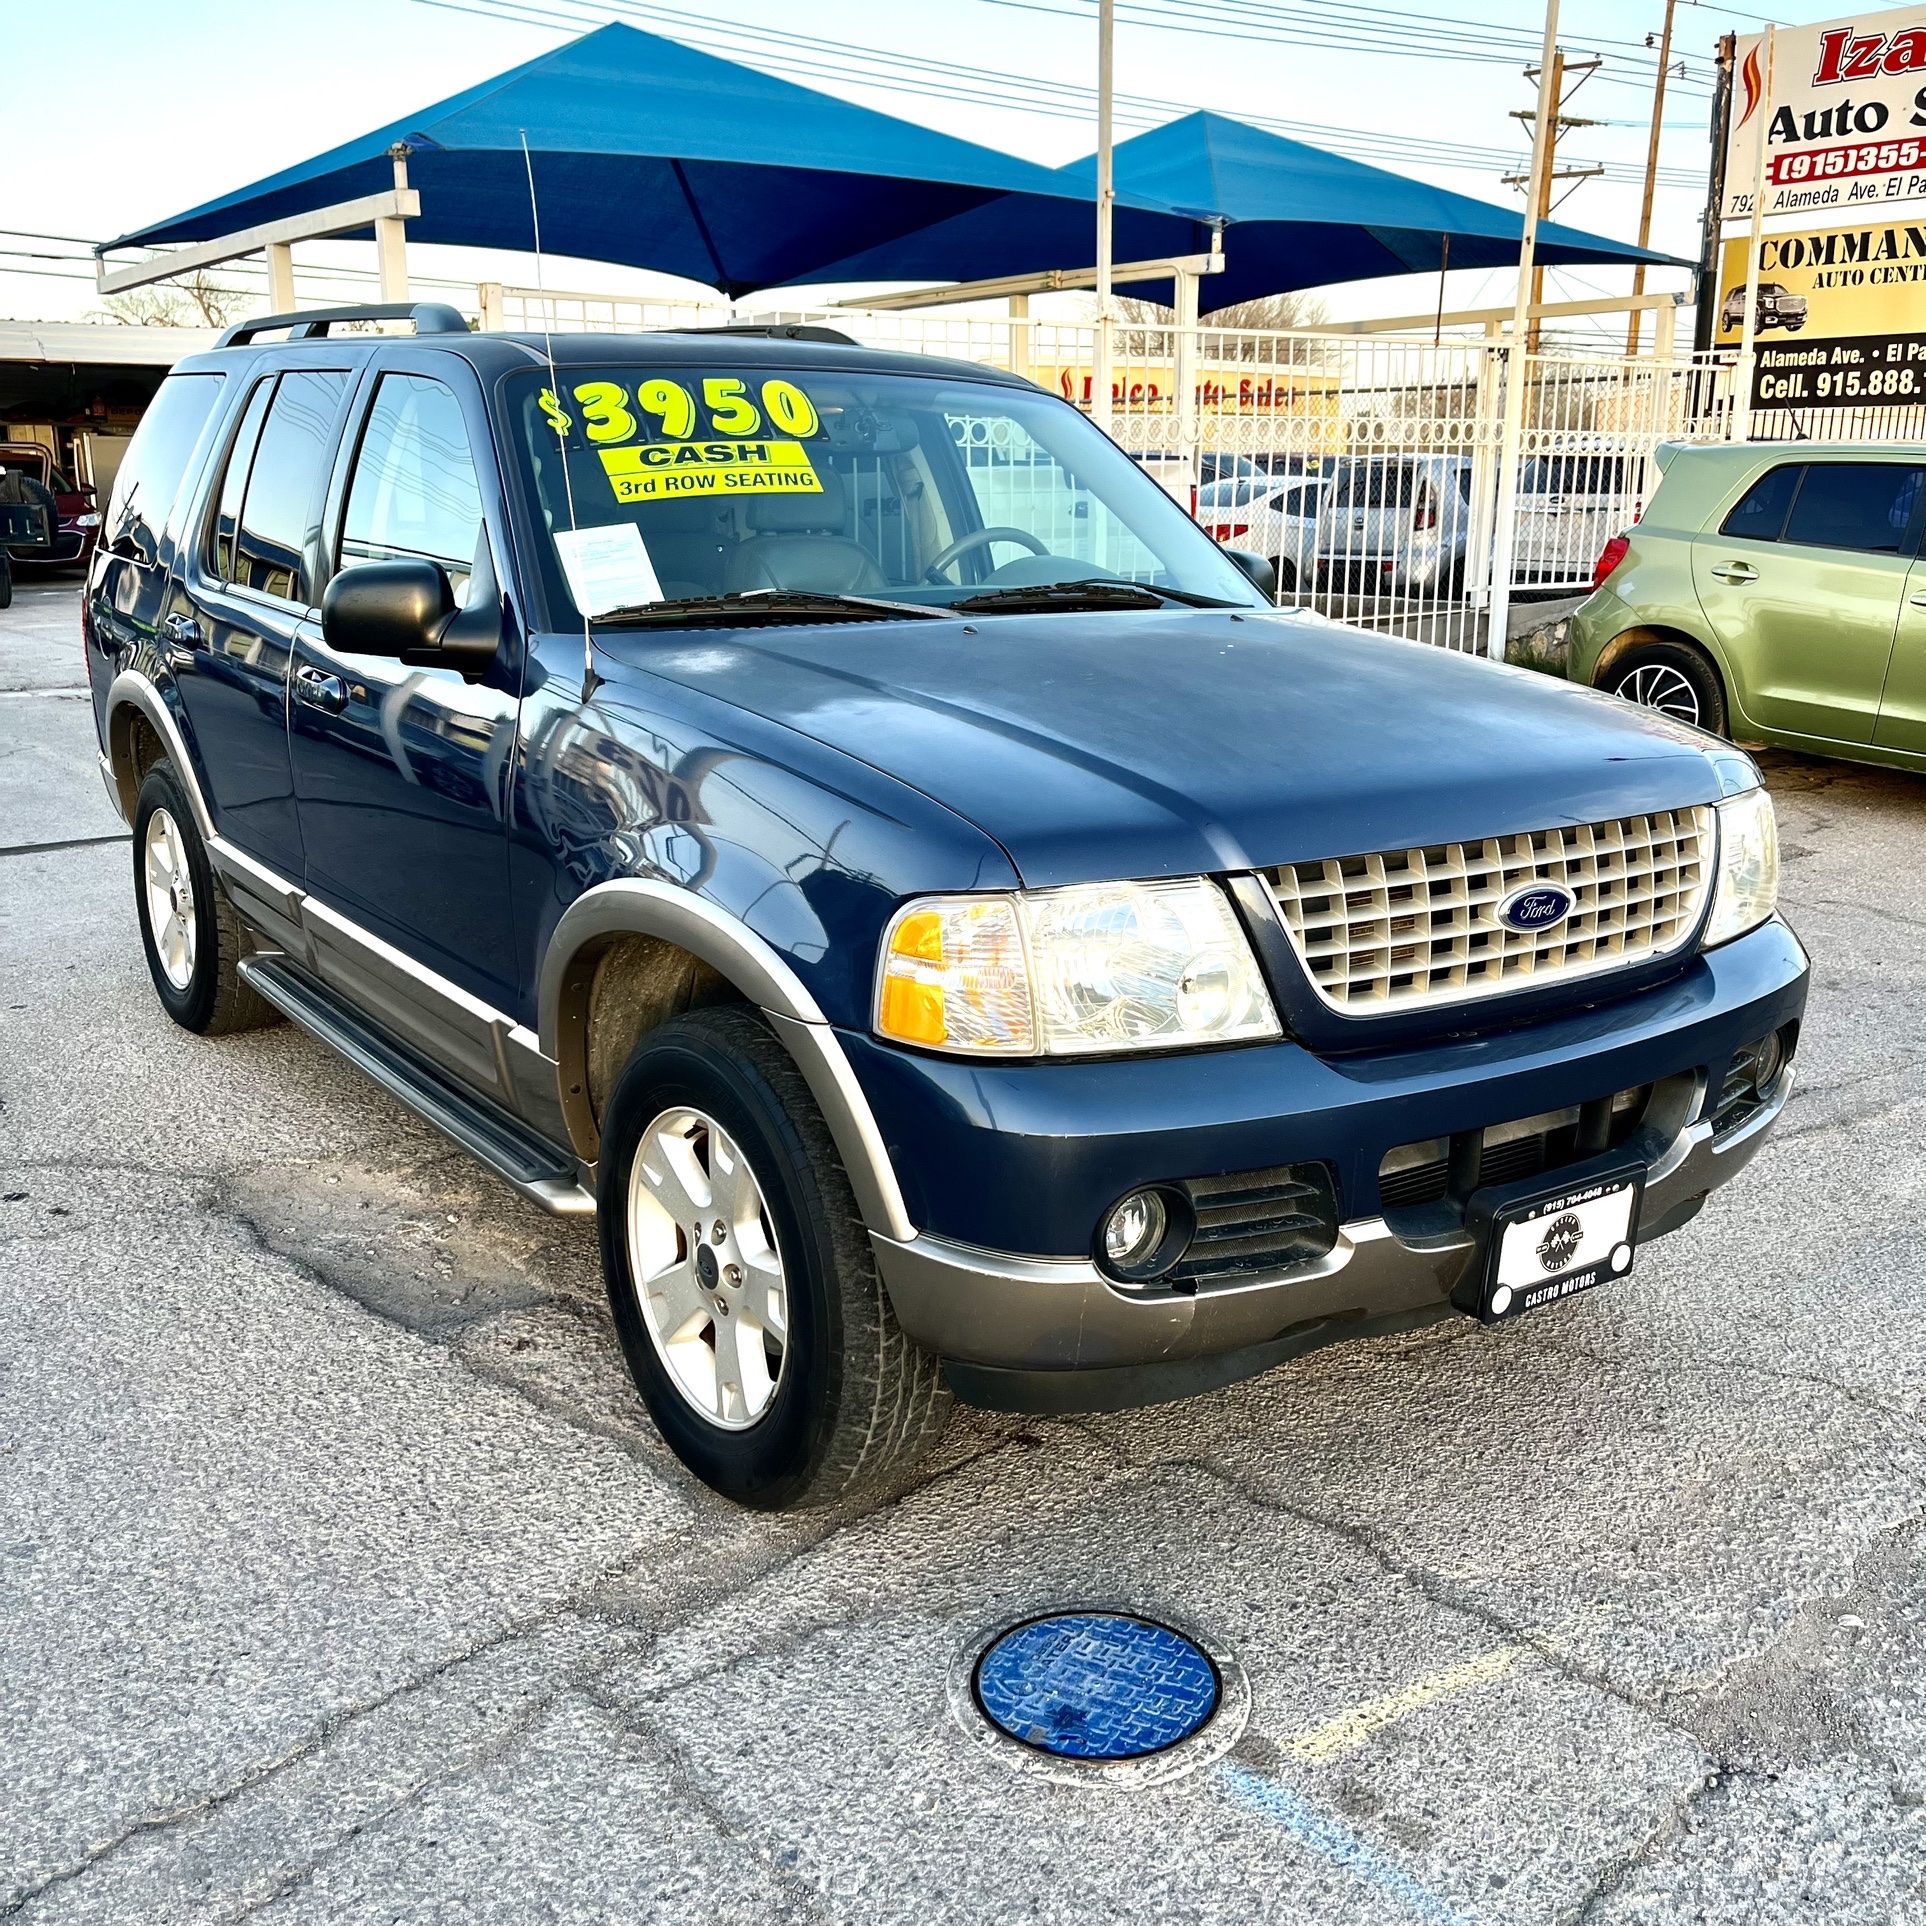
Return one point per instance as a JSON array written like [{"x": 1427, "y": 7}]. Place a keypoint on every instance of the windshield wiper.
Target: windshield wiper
[
  {"x": 1093, "y": 594},
  {"x": 745, "y": 606}
]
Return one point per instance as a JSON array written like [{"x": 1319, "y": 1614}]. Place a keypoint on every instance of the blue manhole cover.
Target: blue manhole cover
[{"x": 1096, "y": 1685}]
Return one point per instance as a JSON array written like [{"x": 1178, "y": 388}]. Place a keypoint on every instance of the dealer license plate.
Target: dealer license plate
[{"x": 1555, "y": 1245}]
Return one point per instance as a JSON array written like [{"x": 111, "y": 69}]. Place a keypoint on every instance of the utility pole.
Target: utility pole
[
  {"x": 1106, "y": 206},
  {"x": 1512, "y": 429},
  {"x": 1651, "y": 173},
  {"x": 1552, "y": 88}
]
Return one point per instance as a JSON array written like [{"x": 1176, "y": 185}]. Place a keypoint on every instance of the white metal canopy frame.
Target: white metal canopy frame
[{"x": 386, "y": 213}]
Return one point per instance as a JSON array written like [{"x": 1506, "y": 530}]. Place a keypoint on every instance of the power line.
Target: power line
[
  {"x": 1356, "y": 29},
  {"x": 805, "y": 54}
]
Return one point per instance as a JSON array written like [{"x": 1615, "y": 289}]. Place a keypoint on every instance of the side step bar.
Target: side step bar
[{"x": 542, "y": 1173}]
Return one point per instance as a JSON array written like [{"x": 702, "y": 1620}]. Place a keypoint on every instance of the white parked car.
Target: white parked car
[
  {"x": 1395, "y": 524},
  {"x": 1275, "y": 517},
  {"x": 1571, "y": 502}
]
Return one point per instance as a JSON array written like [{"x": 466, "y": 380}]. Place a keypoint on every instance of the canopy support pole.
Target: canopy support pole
[
  {"x": 1185, "y": 375},
  {"x": 391, "y": 234},
  {"x": 1020, "y": 335},
  {"x": 280, "y": 267},
  {"x": 1517, "y": 359},
  {"x": 1106, "y": 208}
]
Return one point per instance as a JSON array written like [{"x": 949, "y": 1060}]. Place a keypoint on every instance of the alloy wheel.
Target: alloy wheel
[
  {"x": 1656, "y": 685},
  {"x": 707, "y": 1270},
  {"x": 170, "y": 899}
]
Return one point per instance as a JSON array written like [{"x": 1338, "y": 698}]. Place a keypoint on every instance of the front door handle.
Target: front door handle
[
  {"x": 1735, "y": 572},
  {"x": 320, "y": 690},
  {"x": 183, "y": 631},
  {"x": 1918, "y": 601}
]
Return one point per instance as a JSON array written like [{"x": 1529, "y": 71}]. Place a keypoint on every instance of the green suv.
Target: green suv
[{"x": 1774, "y": 592}]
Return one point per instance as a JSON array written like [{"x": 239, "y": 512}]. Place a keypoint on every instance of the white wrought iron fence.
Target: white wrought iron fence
[{"x": 1369, "y": 470}]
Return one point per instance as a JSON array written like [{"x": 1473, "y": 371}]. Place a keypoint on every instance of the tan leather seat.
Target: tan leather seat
[{"x": 797, "y": 542}]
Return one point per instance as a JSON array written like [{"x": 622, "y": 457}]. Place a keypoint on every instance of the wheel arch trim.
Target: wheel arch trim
[
  {"x": 131, "y": 693},
  {"x": 1640, "y": 634},
  {"x": 643, "y": 907}
]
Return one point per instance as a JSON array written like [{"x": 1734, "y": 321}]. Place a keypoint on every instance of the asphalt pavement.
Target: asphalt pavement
[{"x": 342, "y": 1578}]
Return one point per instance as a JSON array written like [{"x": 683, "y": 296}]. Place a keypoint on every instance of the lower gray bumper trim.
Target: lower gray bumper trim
[{"x": 1030, "y": 1314}]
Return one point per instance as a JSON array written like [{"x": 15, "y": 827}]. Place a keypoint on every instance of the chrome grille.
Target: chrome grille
[{"x": 1411, "y": 927}]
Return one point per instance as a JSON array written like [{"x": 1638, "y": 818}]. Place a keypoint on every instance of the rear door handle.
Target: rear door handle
[
  {"x": 1735, "y": 572},
  {"x": 1918, "y": 601},
  {"x": 183, "y": 631},
  {"x": 320, "y": 690}
]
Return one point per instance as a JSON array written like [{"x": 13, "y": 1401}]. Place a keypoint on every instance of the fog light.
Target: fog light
[
  {"x": 1769, "y": 1058},
  {"x": 1144, "y": 1234}
]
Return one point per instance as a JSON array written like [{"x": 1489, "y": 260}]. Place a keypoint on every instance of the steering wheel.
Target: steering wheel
[{"x": 979, "y": 538}]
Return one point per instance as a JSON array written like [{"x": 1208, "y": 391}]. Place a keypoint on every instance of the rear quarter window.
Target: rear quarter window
[
  {"x": 1759, "y": 515},
  {"x": 156, "y": 462}
]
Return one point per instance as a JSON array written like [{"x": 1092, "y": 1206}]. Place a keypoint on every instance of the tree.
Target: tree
[
  {"x": 1304, "y": 312},
  {"x": 188, "y": 301}
]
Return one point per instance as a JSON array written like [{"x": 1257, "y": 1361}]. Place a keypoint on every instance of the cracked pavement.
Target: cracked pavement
[{"x": 343, "y": 1578}]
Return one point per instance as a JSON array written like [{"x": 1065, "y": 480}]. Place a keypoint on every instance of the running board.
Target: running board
[{"x": 542, "y": 1173}]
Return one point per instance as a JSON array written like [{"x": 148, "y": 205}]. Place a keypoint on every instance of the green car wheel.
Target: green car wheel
[{"x": 1673, "y": 678}]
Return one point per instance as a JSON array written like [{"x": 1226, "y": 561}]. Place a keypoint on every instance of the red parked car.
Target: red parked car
[{"x": 76, "y": 514}]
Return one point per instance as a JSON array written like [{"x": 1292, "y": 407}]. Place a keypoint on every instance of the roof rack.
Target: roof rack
[
  {"x": 779, "y": 331},
  {"x": 310, "y": 324}
]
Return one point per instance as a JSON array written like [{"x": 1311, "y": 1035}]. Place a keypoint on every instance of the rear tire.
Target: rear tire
[
  {"x": 6, "y": 580},
  {"x": 749, "y": 1309},
  {"x": 1673, "y": 678},
  {"x": 193, "y": 939}
]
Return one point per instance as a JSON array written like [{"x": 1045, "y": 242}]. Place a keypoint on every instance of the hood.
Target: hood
[{"x": 1103, "y": 746}]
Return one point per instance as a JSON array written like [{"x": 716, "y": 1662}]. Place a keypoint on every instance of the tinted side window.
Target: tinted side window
[
  {"x": 414, "y": 492},
  {"x": 285, "y": 482},
  {"x": 1863, "y": 505},
  {"x": 156, "y": 460},
  {"x": 1761, "y": 512},
  {"x": 227, "y": 515}
]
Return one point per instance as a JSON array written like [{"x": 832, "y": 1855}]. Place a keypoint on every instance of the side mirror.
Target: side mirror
[
  {"x": 406, "y": 610},
  {"x": 1257, "y": 570}
]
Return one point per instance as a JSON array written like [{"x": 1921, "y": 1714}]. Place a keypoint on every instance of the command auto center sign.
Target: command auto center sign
[{"x": 1840, "y": 317}]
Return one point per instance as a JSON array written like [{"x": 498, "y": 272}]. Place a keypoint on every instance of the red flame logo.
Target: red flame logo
[{"x": 1754, "y": 83}]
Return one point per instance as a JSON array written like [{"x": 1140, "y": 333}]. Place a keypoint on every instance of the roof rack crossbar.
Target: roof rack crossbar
[
  {"x": 309, "y": 324},
  {"x": 778, "y": 331}
]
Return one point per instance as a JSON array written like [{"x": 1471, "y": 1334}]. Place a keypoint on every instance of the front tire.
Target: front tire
[
  {"x": 741, "y": 1280},
  {"x": 193, "y": 939},
  {"x": 1673, "y": 678}
]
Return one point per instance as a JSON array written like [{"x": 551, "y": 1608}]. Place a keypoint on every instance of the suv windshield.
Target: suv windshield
[{"x": 654, "y": 484}]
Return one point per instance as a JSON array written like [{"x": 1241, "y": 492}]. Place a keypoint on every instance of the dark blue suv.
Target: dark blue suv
[{"x": 830, "y": 815}]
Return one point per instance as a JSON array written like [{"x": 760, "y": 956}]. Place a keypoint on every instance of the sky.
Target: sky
[{"x": 121, "y": 112}]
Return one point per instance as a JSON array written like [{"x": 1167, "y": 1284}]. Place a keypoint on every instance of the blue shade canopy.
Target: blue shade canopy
[
  {"x": 655, "y": 155},
  {"x": 1295, "y": 217}
]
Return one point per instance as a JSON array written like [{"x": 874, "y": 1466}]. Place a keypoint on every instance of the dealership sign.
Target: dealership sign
[
  {"x": 1840, "y": 315},
  {"x": 1845, "y": 125}
]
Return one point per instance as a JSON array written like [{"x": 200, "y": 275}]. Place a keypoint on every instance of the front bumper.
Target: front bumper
[
  {"x": 71, "y": 548},
  {"x": 1008, "y": 1159},
  {"x": 1033, "y": 1334}
]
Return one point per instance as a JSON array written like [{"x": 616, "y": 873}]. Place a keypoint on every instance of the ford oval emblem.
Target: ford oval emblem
[{"x": 1536, "y": 906}]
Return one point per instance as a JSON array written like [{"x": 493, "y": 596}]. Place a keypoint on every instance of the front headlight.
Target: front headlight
[
  {"x": 1748, "y": 889},
  {"x": 1071, "y": 972}
]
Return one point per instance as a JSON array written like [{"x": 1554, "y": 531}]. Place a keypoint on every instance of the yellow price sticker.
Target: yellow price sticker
[{"x": 671, "y": 471}]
